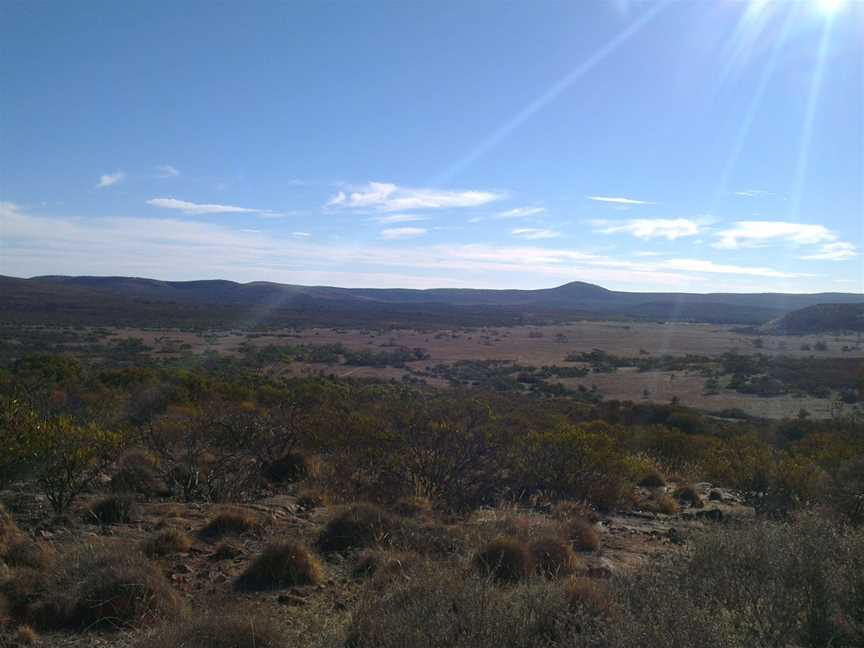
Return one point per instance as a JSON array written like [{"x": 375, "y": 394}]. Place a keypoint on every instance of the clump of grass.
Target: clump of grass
[
  {"x": 587, "y": 594},
  {"x": 583, "y": 535},
  {"x": 362, "y": 525},
  {"x": 281, "y": 565},
  {"x": 219, "y": 630},
  {"x": 226, "y": 551},
  {"x": 115, "y": 509},
  {"x": 652, "y": 480},
  {"x": 382, "y": 564},
  {"x": 165, "y": 542},
  {"x": 505, "y": 560},
  {"x": 229, "y": 521},
  {"x": 552, "y": 557},
  {"x": 412, "y": 506},
  {"x": 688, "y": 494},
  {"x": 290, "y": 468},
  {"x": 662, "y": 504},
  {"x": 26, "y": 636},
  {"x": 29, "y": 553},
  {"x": 10, "y": 534},
  {"x": 568, "y": 509}
]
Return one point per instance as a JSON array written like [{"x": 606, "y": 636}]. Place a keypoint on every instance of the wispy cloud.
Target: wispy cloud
[
  {"x": 300, "y": 234},
  {"x": 533, "y": 233},
  {"x": 399, "y": 218},
  {"x": 394, "y": 233},
  {"x": 760, "y": 233},
  {"x": 199, "y": 208},
  {"x": 833, "y": 252},
  {"x": 617, "y": 200},
  {"x": 384, "y": 196},
  {"x": 648, "y": 228},
  {"x": 753, "y": 193},
  {"x": 167, "y": 171},
  {"x": 520, "y": 212},
  {"x": 700, "y": 265},
  {"x": 110, "y": 179}
]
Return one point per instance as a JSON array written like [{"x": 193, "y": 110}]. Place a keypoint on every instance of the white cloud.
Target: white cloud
[
  {"x": 110, "y": 179},
  {"x": 300, "y": 234},
  {"x": 520, "y": 212},
  {"x": 198, "y": 208},
  {"x": 167, "y": 171},
  {"x": 394, "y": 233},
  {"x": 384, "y": 196},
  {"x": 760, "y": 233},
  {"x": 699, "y": 265},
  {"x": 399, "y": 218},
  {"x": 648, "y": 228},
  {"x": 833, "y": 252},
  {"x": 753, "y": 193},
  {"x": 533, "y": 233},
  {"x": 619, "y": 201}
]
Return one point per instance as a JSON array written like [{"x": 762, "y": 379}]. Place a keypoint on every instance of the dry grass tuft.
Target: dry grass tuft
[
  {"x": 662, "y": 504},
  {"x": 165, "y": 542},
  {"x": 10, "y": 534},
  {"x": 115, "y": 509},
  {"x": 412, "y": 506},
  {"x": 229, "y": 521},
  {"x": 383, "y": 565},
  {"x": 568, "y": 509},
  {"x": 587, "y": 594},
  {"x": 219, "y": 630},
  {"x": 29, "y": 553},
  {"x": 312, "y": 498},
  {"x": 505, "y": 560},
  {"x": 652, "y": 480},
  {"x": 26, "y": 636},
  {"x": 281, "y": 565},
  {"x": 583, "y": 535},
  {"x": 362, "y": 525},
  {"x": 138, "y": 473},
  {"x": 553, "y": 557}
]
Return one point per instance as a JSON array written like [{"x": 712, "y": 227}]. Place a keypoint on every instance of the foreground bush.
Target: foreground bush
[
  {"x": 218, "y": 631},
  {"x": 360, "y": 526},
  {"x": 281, "y": 565}
]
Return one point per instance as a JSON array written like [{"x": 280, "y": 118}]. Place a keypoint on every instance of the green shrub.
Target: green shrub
[{"x": 281, "y": 565}]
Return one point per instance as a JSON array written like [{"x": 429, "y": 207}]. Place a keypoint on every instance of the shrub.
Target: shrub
[
  {"x": 167, "y": 541},
  {"x": 568, "y": 509},
  {"x": 138, "y": 473},
  {"x": 230, "y": 521},
  {"x": 281, "y": 565},
  {"x": 688, "y": 494},
  {"x": 226, "y": 551},
  {"x": 583, "y": 535},
  {"x": 219, "y": 630},
  {"x": 360, "y": 526},
  {"x": 552, "y": 557},
  {"x": 382, "y": 564},
  {"x": 504, "y": 559},
  {"x": 115, "y": 509},
  {"x": 26, "y": 636},
  {"x": 289, "y": 468},
  {"x": 9, "y": 532},
  {"x": 652, "y": 480}
]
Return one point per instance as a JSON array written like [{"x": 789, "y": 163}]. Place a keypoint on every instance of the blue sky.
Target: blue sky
[{"x": 704, "y": 145}]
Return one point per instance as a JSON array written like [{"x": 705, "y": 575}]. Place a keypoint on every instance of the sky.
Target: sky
[{"x": 675, "y": 145}]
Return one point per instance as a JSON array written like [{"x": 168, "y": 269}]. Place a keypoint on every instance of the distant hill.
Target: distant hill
[
  {"x": 821, "y": 318},
  {"x": 141, "y": 301}
]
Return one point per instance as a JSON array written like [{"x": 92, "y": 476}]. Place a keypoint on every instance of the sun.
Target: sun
[{"x": 829, "y": 7}]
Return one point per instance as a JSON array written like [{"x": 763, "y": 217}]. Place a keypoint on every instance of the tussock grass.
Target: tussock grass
[{"x": 286, "y": 564}]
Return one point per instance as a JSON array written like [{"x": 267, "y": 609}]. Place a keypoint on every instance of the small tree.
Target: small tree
[{"x": 67, "y": 457}]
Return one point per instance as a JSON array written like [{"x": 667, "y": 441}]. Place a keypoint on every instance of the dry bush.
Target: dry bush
[
  {"x": 9, "y": 532},
  {"x": 359, "y": 526},
  {"x": 226, "y": 551},
  {"x": 652, "y": 480},
  {"x": 412, "y": 506},
  {"x": 29, "y": 553},
  {"x": 26, "y": 636},
  {"x": 583, "y": 535},
  {"x": 505, "y": 560},
  {"x": 688, "y": 494},
  {"x": 569, "y": 509},
  {"x": 167, "y": 541},
  {"x": 552, "y": 557},
  {"x": 662, "y": 504},
  {"x": 229, "y": 521},
  {"x": 289, "y": 468},
  {"x": 587, "y": 594},
  {"x": 281, "y": 565},
  {"x": 383, "y": 565},
  {"x": 107, "y": 587},
  {"x": 218, "y": 630},
  {"x": 138, "y": 473},
  {"x": 115, "y": 509},
  {"x": 20, "y": 589}
]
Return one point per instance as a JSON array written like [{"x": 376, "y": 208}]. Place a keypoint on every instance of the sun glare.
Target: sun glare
[{"x": 829, "y": 7}]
